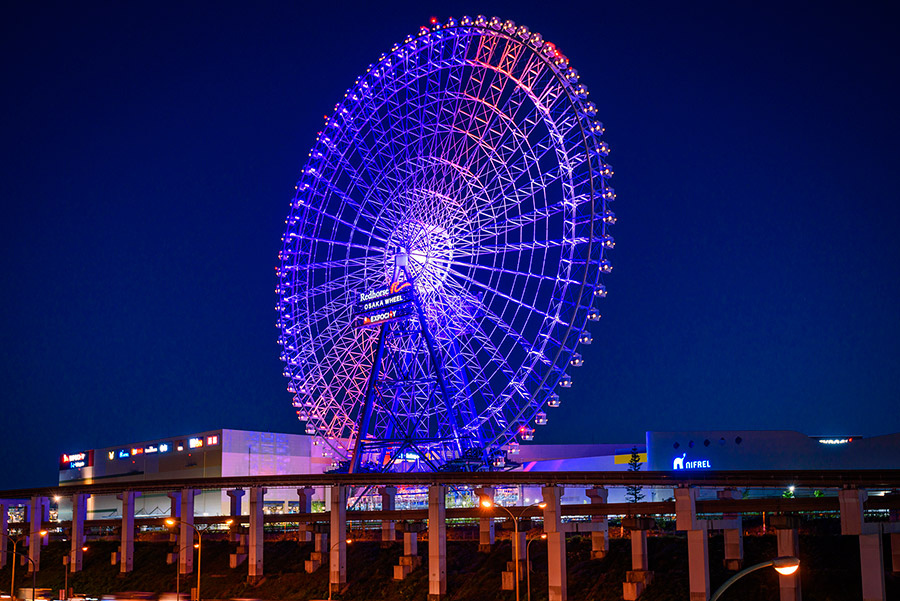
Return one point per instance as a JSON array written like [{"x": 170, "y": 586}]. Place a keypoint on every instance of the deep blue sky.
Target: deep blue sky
[{"x": 149, "y": 151}]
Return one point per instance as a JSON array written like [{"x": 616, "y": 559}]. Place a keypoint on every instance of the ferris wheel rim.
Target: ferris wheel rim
[{"x": 556, "y": 371}]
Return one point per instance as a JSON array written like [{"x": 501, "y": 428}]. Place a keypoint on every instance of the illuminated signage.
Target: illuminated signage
[
  {"x": 381, "y": 293},
  {"x": 195, "y": 443},
  {"x": 680, "y": 463},
  {"x": 151, "y": 449},
  {"x": 164, "y": 447},
  {"x": 137, "y": 451},
  {"x": 835, "y": 440},
  {"x": 123, "y": 454},
  {"x": 211, "y": 440},
  {"x": 111, "y": 455},
  {"x": 74, "y": 461},
  {"x": 383, "y": 305}
]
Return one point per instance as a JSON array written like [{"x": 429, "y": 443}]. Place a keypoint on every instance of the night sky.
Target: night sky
[{"x": 149, "y": 152}]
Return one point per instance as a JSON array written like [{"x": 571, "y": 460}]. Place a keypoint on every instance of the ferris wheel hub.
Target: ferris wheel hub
[{"x": 427, "y": 251}]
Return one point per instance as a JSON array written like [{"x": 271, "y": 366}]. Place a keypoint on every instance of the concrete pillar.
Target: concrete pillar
[
  {"x": 410, "y": 559},
  {"x": 388, "y": 503},
  {"x": 639, "y": 550},
  {"x": 185, "y": 501},
  {"x": 410, "y": 543},
  {"x": 894, "y": 517},
  {"x": 126, "y": 545},
  {"x": 521, "y": 542},
  {"x": 485, "y": 524},
  {"x": 698, "y": 545},
  {"x": 79, "y": 513},
  {"x": 851, "y": 502},
  {"x": 174, "y": 505},
  {"x": 556, "y": 544},
  {"x": 640, "y": 576},
  {"x": 337, "y": 561},
  {"x": 871, "y": 554},
  {"x": 788, "y": 544},
  {"x": 600, "y": 537},
  {"x": 734, "y": 537},
  {"x": 235, "y": 502},
  {"x": 698, "y": 564},
  {"x": 235, "y": 509},
  {"x": 686, "y": 509},
  {"x": 174, "y": 512},
  {"x": 305, "y": 495},
  {"x": 4, "y": 530},
  {"x": 256, "y": 535},
  {"x": 320, "y": 549},
  {"x": 517, "y": 542},
  {"x": 240, "y": 552},
  {"x": 895, "y": 552},
  {"x": 437, "y": 542},
  {"x": 39, "y": 512}
]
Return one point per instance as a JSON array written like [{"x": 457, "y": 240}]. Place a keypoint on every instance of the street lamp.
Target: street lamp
[
  {"x": 783, "y": 565},
  {"x": 33, "y": 574},
  {"x": 15, "y": 542},
  {"x": 172, "y": 522},
  {"x": 348, "y": 541},
  {"x": 542, "y": 535},
  {"x": 515, "y": 520},
  {"x": 67, "y": 568}
]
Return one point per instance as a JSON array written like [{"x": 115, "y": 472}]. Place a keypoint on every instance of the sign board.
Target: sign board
[
  {"x": 74, "y": 461},
  {"x": 383, "y": 305}
]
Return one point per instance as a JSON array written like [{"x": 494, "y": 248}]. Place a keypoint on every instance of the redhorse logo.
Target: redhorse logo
[{"x": 398, "y": 286}]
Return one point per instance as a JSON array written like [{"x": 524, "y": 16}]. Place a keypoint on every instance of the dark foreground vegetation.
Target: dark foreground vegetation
[{"x": 830, "y": 571}]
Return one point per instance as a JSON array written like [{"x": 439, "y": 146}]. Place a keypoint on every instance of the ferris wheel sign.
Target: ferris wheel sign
[{"x": 383, "y": 305}]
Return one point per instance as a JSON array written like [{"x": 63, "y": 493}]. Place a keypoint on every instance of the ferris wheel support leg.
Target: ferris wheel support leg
[
  {"x": 438, "y": 365},
  {"x": 362, "y": 428},
  {"x": 462, "y": 376}
]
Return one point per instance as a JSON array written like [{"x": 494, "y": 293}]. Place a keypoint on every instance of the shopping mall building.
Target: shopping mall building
[{"x": 222, "y": 453}]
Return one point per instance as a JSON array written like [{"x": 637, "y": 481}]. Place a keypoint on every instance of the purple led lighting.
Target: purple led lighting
[{"x": 471, "y": 151}]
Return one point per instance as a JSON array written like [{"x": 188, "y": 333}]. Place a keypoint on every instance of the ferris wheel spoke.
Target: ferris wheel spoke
[
  {"x": 330, "y": 264},
  {"x": 327, "y": 241},
  {"x": 521, "y": 246},
  {"x": 513, "y": 223},
  {"x": 513, "y": 272}
]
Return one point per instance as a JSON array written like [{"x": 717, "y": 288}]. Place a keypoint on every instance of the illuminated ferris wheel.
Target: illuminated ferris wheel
[{"x": 444, "y": 251}]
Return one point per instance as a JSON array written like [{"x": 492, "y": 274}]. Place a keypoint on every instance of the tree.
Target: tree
[{"x": 633, "y": 494}]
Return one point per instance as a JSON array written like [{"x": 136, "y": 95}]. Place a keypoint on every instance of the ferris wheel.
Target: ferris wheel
[{"x": 444, "y": 250}]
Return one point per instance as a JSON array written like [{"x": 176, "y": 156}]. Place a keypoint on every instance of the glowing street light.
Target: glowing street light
[
  {"x": 333, "y": 547},
  {"x": 783, "y": 565},
  {"x": 15, "y": 542},
  {"x": 172, "y": 522},
  {"x": 543, "y": 535},
  {"x": 66, "y": 571},
  {"x": 487, "y": 503}
]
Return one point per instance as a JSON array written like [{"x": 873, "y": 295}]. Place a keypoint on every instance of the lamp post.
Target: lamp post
[
  {"x": 515, "y": 520},
  {"x": 348, "y": 541},
  {"x": 528, "y": 564},
  {"x": 15, "y": 542},
  {"x": 783, "y": 565},
  {"x": 33, "y": 574},
  {"x": 66, "y": 569},
  {"x": 172, "y": 522}
]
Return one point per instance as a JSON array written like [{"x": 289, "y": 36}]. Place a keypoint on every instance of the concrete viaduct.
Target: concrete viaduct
[{"x": 851, "y": 501}]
